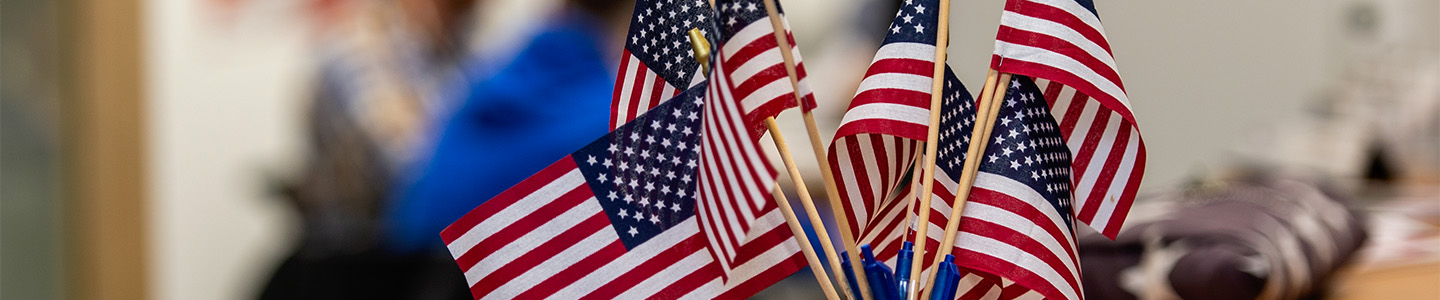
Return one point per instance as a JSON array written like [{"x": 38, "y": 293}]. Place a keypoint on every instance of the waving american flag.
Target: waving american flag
[
  {"x": 752, "y": 59},
  {"x": 619, "y": 219},
  {"x": 1062, "y": 44},
  {"x": 882, "y": 131},
  {"x": 1017, "y": 224},
  {"x": 657, "y": 62}
]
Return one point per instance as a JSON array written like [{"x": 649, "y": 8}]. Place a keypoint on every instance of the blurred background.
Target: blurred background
[{"x": 283, "y": 149}]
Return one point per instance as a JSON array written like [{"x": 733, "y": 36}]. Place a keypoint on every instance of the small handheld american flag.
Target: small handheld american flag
[
  {"x": 876, "y": 145},
  {"x": 751, "y": 58},
  {"x": 1063, "y": 46},
  {"x": 1017, "y": 222},
  {"x": 619, "y": 219},
  {"x": 657, "y": 62}
]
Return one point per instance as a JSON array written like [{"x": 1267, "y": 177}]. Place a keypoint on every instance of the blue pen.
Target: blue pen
[
  {"x": 947, "y": 279},
  {"x": 902, "y": 267},
  {"x": 882, "y": 280},
  {"x": 849, "y": 274}
]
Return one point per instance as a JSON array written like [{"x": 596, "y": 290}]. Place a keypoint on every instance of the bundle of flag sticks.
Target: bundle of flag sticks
[{"x": 678, "y": 201}]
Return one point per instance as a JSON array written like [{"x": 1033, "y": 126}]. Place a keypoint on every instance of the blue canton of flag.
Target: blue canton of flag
[
  {"x": 1025, "y": 144},
  {"x": 645, "y": 172},
  {"x": 741, "y": 13},
  {"x": 658, "y": 62},
  {"x": 914, "y": 23},
  {"x": 659, "y": 36}
]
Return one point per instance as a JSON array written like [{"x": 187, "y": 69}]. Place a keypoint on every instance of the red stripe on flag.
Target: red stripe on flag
[
  {"x": 1008, "y": 235},
  {"x": 657, "y": 94},
  {"x": 619, "y": 86},
  {"x": 1072, "y": 114},
  {"x": 902, "y": 129},
  {"x": 862, "y": 177},
  {"x": 539, "y": 254},
  {"x": 1019, "y": 207},
  {"x": 1058, "y": 15},
  {"x": 648, "y": 268},
  {"x": 1052, "y": 92},
  {"x": 764, "y": 77},
  {"x": 990, "y": 264},
  {"x": 765, "y": 279},
  {"x": 1081, "y": 86},
  {"x": 636, "y": 98},
  {"x": 1107, "y": 175},
  {"x": 754, "y": 49},
  {"x": 1060, "y": 46},
  {"x": 579, "y": 270},
  {"x": 1087, "y": 148},
  {"x": 902, "y": 66},
  {"x": 1127, "y": 198},
  {"x": 523, "y": 226},
  {"x": 507, "y": 198}
]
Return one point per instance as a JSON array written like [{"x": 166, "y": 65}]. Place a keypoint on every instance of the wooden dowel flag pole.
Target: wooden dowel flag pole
[
  {"x": 702, "y": 54},
  {"x": 937, "y": 88},
  {"x": 810, "y": 208},
  {"x": 804, "y": 241},
  {"x": 778, "y": 26},
  {"x": 987, "y": 109}
]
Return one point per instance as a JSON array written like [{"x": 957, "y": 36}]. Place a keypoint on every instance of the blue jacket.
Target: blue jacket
[{"x": 552, "y": 99}]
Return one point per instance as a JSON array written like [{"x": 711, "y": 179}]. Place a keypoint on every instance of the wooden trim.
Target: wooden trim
[{"x": 105, "y": 153}]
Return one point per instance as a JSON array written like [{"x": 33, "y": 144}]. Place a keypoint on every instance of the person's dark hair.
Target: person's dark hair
[{"x": 602, "y": 7}]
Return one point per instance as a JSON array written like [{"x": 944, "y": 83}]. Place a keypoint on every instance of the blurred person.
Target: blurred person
[
  {"x": 383, "y": 69},
  {"x": 549, "y": 100}
]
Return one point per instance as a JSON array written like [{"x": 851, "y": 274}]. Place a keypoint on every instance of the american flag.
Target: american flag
[
  {"x": 616, "y": 219},
  {"x": 882, "y": 131},
  {"x": 1017, "y": 224},
  {"x": 735, "y": 179},
  {"x": 1062, "y": 42},
  {"x": 752, "y": 59},
  {"x": 657, "y": 62}
]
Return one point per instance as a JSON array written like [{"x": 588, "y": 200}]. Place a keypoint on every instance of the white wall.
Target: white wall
[{"x": 222, "y": 96}]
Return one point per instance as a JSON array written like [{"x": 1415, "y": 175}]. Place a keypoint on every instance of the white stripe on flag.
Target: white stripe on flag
[
  {"x": 895, "y": 81},
  {"x": 1080, "y": 12},
  {"x": 626, "y": 100},
  {"x": 1097, "y": 163},
  {"x": 1009, "y": 253},
  {"x": 1077, "y": 137},
  {"x": 848, "y": 179},
  {"x": 770, "y": 91},
  {"x": 523, "y": 207},
  {"x": 531, "y": 240},
  {"x": 889, "y": 111},
  {"x": 1062, "y": 103},
  {"x": 760, "y": 263},
  {"x": 1120, "y": 182},
  {"x": 645, "y": 252},
  {"x": 1063, "y": 63},
  {"x": 559, "y": 263},
  {"x": 746, "y": 37},
  {"x": 1059, "y": 31},
  {"x": 917, "y": 51},
  {"x": 647, "y": 288}
]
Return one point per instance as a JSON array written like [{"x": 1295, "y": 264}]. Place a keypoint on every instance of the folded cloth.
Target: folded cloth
[{"x": 1254, "y": 238}]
